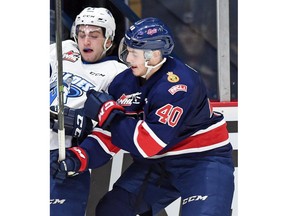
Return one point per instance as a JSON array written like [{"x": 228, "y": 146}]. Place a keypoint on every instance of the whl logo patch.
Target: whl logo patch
[{"x": 128, "y": 100}]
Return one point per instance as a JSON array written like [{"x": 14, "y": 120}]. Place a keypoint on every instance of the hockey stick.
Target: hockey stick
[{"x": 60, "y": 87}]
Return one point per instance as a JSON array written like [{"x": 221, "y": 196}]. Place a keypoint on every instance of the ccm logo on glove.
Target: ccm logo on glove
[
  {"x": 79, "y": 122},
  {"x": 81, "y": 155},
  {"x": 106, "y": 109}
]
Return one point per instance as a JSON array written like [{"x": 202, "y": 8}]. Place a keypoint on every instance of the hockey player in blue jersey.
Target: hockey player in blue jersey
[
  {"x": 86, "y": 66},
  {"x": 180, "y": 147}
]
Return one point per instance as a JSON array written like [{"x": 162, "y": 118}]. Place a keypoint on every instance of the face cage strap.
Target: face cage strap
[
  {"x": 104, "y": 46},
  {"x": 149, "y": 68}
]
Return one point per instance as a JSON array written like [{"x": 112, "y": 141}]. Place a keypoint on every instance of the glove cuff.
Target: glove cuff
[{"x": 82, "y": 156}]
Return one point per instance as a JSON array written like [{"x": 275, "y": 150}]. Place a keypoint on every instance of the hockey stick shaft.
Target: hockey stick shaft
[{"x": 60, "y": 87}]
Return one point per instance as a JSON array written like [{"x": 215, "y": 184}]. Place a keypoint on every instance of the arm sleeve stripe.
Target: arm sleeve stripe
[
  {"x": 104, "y": 139},
  {"x": 146, "y": 141}
]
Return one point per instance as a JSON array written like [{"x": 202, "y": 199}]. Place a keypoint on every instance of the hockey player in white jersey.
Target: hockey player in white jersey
[{"x": 85, "y": 66}]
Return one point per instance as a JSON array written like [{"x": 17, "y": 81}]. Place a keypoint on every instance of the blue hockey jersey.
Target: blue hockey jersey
[{"x": 177, "y": 117}]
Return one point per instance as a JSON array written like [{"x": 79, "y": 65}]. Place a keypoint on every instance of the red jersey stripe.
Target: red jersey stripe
[
  {"x": 211, "y": 139},
  {"x": 146, "y": 141},
  {"x": 104, "y": 139}
]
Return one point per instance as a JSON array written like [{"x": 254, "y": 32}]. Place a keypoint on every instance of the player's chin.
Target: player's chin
[
  {"x": 136, "y": 72},
  {"x": 89, "y": 58}
]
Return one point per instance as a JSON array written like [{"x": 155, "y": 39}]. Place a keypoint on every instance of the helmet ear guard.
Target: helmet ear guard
[{"x": 148, "y": 54}]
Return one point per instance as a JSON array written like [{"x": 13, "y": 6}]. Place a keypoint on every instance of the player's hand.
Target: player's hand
[
  {"x": 76, "y": 161},
  {"x": 101, "y": 107},
  {"x": 75, "y": 123}
]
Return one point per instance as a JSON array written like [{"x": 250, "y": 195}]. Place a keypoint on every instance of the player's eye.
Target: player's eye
[
  {"x": 93, "y": 35},
  {"x": 81, "y": 34}
]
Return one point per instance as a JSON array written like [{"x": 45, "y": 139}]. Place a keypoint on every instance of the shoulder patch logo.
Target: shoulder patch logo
[
  {"x": 176, "y": 88},
  {"x": 71, "y": 56},
  {"x": 172, "y": 77}
]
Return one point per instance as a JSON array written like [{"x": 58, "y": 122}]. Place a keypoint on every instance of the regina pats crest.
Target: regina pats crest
[{"x": 172, "y": 77}]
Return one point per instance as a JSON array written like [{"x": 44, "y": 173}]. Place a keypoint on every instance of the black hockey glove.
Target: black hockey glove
[
  {"x": 101, "y": 107},
  {"x": 75, "y": 123},
  {"x": 76, "y": 161}
]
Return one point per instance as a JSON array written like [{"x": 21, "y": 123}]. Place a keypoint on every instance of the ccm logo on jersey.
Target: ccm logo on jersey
[
  {"x": 177, "y": 88},
  {"x": 194, "y": 198},
  {"x": 57, "y": 201}
]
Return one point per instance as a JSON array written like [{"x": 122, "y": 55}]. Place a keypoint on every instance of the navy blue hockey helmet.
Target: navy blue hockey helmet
[{"x": 150, "y": 34}]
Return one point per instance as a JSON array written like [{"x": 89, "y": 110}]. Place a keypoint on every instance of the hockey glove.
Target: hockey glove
[
  {"x": 75, "y": 123},
  {"x": 101, "y": 107},
  {"x": 76, "y": 161}
]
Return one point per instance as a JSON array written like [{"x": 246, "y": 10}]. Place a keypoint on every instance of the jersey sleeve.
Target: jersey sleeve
[{"x": 99, "y": 147}]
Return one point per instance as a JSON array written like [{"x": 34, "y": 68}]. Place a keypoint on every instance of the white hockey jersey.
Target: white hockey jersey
[{"x": 84, "y": 76}]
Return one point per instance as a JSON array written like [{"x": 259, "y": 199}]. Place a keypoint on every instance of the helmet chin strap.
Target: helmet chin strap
[
  {"x": 149, "y": 68},
  {"x": 104, "y": 47}
]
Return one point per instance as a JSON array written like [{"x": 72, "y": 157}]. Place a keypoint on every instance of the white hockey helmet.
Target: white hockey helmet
[{"x": 101, "y": 17}]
